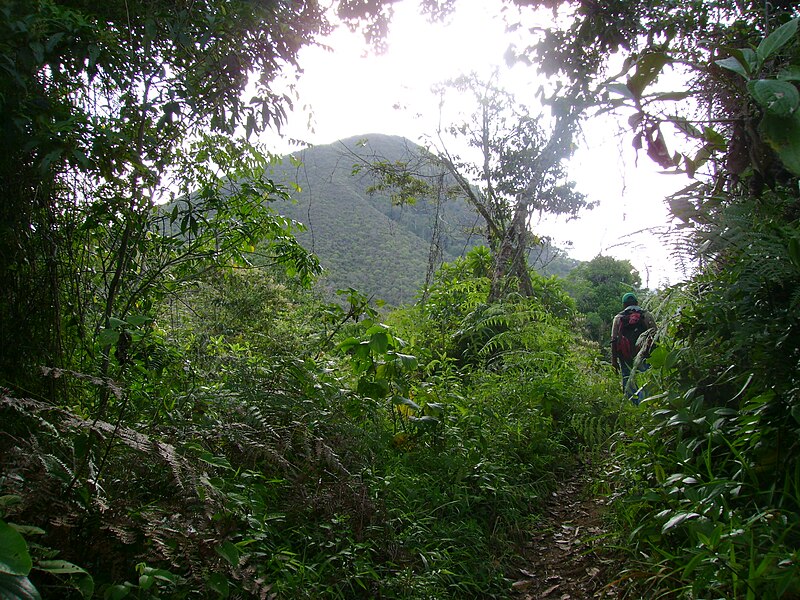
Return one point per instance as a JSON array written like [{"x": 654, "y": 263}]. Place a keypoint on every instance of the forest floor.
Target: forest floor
[{"x": 567, "y": 556}]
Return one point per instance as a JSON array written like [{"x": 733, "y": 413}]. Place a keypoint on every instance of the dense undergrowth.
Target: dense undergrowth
[
  {"x": 710, "y": 479},
  {"x": 259, "y": 443},
  {"x": 267, "y": 445},
  {"x": 181, "y": 419}
]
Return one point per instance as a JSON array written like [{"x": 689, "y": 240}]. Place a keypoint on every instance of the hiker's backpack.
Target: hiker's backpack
[{"x": 631, "y": 326}]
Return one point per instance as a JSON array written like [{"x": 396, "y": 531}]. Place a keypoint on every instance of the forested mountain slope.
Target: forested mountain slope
[
  {"x": 362, "y": 240},
  {"x": 365, "y": 241}
]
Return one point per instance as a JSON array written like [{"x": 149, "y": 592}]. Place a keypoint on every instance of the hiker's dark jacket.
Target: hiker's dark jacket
[{"x": 645, "y": 340}]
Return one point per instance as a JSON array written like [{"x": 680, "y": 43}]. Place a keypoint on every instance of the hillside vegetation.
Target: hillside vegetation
[
  {"x": 185, "y": 416},
  {"x": 364, "y": 240}
]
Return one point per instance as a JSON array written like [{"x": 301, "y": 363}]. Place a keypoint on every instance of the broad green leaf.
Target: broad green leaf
[
  {"x": 61, "y": 567},
  {"x": 714, "y": 137},
  {"x": 108, "y": 337},
  {"x": 230, "y": 552},
  {"x": 748, "y": 57},
  {"x": 426, "y": 420},
  {"x": 250, "y": 125},
  {"x": 681, "y": 417},
  {"x": 704, "y": 154},
  {"x": 779, "y": 98},
  {"x": 146, "y": 582},
  {"x": 17, "y": 588},
  {"x": 160, "y": 574},
  {"x": 377, "y": 328},
  {"x": 776, "y": 40},
  {"x": 407, "y": 361},
  {"x": 379, "y": 342},
  {"x": 659, "y": 358},
  {"x": 672, "y": 358},
  {"x": 84, "y": 584},
  {"x": 80, "y": 579},
  {"x": 14, "y": 557},
  {"x": 734, "y": 64},
  {"x": 399, "y": 400},
  {"x": 621, "y": 89},
  {"x": 138, "y": 320},
  {"x": 636, "y": 119},
  {"x": 647, "y": 70},
  {"x": 220, "y": 584},
  {"x": 677, "y": 520},
  {"x": 349, "y": 343},
  {"x": 215, "y": 461},
  {"x": 791, "y": 73},
  {"x": 725, "y": 412},
  {"x": 361, "y": 355},
  {"x": 783, "y": 136}
]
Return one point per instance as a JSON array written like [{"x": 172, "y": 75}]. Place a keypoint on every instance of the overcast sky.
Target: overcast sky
[{"x": 351, "y": 91}]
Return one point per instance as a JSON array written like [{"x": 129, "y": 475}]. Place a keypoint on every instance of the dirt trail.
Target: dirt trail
[{"x": 567, "y": 556}]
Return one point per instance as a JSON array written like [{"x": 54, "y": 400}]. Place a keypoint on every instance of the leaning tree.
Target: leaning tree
[{"x": 506, "y": 162}]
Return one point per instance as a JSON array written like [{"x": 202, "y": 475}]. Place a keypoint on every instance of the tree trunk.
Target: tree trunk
[{"x": 511, "y": 257}]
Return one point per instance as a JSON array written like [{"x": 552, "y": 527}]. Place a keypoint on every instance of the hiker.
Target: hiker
[{"x": 631, "y": 340}]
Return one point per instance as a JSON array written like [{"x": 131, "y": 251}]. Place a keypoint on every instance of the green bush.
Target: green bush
[{"x": 715, "y": 469}]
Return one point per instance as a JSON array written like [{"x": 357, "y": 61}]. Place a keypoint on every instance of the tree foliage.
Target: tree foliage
[
  {"x": 511, "y": 167},
  {"x": 728, "y": 114},
  {"x": 179, "y": 418},
  {"x": 725, "y": 375},
  {"x": 515, "y": 172},
  {"x": 201, "y": 427},
  {"x": 100, "y": 103},
  {"x": 597, "y": 287}
]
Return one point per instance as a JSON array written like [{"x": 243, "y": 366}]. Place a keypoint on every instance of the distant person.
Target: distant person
[{"x": 631, "y": 340}]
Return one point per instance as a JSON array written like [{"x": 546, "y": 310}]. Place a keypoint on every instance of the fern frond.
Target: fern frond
[{"x": 134, "y": 440}]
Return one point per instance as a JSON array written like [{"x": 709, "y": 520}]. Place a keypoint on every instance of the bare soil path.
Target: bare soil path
[{"x": 568, "y": 557}]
